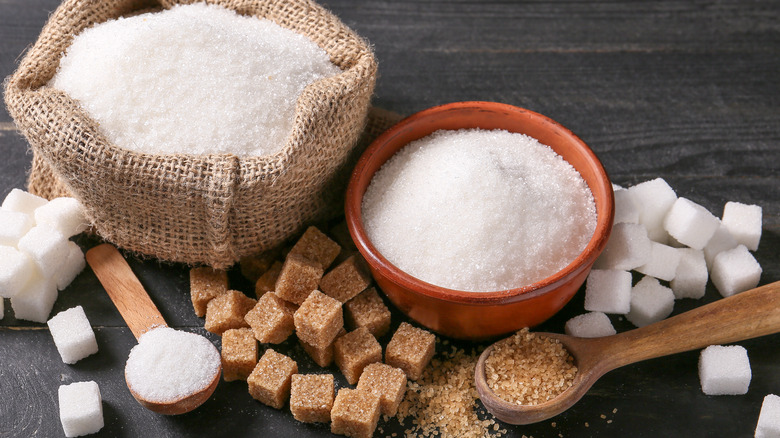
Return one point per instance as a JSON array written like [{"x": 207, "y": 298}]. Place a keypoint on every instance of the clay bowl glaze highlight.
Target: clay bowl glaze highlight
[{"x": 480, "y": 315}]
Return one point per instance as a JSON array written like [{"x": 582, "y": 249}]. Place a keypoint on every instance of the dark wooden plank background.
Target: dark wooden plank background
[{"x": 684, "y": 90}]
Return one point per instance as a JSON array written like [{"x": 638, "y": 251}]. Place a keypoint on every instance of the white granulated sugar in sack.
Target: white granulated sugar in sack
[
  {"x": 735, "y": 271},
  {"x": 626, "y": 210},
  {"x": 724, "y": 370},
  {"x": 690, "y": 281},
  {"x": 168, "y": 364},
  {"x": 650, "y": 302},
  {"x": 65, "y": 215},
  {"x": 590, "y": 325},
  {"x": 73, "y": 335},
  {"x": 663, "y": 262},
  {"x": 13, "y": 225},
  {"x": 744, "y": 223},
  {"x": 628, "y": 247},
  {"x": 690, "y": 223},
  {"x": 478, "y": 210},
  {"x": 194, "y": 79},
  {"x": 608, "y": 291},
  {"x": 16, "y": 270},
  {"x": 654, "y": 199},
  {"x": 81, "y": 408},
  {"x": 23, "y": 202},
  {"x": 721, "y": 241}
]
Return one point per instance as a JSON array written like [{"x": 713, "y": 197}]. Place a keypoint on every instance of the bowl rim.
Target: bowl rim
[{"x": 583, "y": 261}]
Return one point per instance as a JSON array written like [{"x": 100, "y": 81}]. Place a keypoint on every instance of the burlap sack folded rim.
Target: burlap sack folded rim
[{"x": 67, "y": 141}]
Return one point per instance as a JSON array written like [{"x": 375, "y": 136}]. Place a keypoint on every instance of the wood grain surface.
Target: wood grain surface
[{"x": 684, "y": 90}]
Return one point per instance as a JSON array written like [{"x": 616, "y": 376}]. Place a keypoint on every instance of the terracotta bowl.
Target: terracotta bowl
[{"x": 480, "y": 315}]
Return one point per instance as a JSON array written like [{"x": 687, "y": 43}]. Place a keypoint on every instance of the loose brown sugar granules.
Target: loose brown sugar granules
[
  {"x": 528, "y": 369},
  {"x": 443, "y": 401}
]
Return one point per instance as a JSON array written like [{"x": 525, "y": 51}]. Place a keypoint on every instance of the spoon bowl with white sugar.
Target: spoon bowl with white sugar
[{"x": 170, "y": 372}]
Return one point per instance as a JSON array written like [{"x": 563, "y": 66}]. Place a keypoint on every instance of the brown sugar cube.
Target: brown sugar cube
[
  {"x": 267, "y": 282},
  {"x": 298, "y": 277},
  {"x": 369, "y": 311},
  {"x": 206, "y": 284},
  {"x": 227, "y": 311},
  {"x": 311, "y": 397},
  {"x": 410, "y": 349},
  {"x": 252, "y": 267},
  {"x": 318, "y": 320},
  {"x": 317, "y": 247},
  {"x": 389, "y": 383},
  {"x": 354, "y": 351},
  {"x": 321, "y": 356},
  {"x": 239, "y": 354},
  {"x": 355, "y": 413},
  {"x": 269, "y": 382},
  {"x": 346, "y": 280},
  {"x": 271, "y": 319}
]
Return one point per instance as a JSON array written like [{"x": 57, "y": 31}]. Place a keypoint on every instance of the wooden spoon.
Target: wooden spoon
[
  {"x": 141, "y": 315},
  {"x": 743, "y": 316}
]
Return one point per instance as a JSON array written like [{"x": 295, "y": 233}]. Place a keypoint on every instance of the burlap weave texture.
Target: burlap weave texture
[{"x": 208, "y": 209}]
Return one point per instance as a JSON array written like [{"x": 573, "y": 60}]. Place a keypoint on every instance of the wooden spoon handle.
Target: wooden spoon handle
[
  {"x": 743, "y": 316},
  {"x": 124, "y": 289}
]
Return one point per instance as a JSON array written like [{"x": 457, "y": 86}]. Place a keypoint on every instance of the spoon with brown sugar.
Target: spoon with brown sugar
[{"x": 743, "y": 316}]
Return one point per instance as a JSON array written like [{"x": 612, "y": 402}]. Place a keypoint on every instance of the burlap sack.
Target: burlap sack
[{"x": 210, "y": 209}]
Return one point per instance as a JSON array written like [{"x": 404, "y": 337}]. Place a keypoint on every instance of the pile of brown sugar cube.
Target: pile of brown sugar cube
[{"x": 303, "y": 295}]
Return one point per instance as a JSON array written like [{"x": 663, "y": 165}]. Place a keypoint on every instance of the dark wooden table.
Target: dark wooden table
[{"x": 684, "y": 90}]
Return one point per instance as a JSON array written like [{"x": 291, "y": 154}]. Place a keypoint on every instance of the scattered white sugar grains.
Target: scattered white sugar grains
[
  {"x": 769, "y": 419},
  {"x": 478, "y": 210},
  {"x": 16, "y": 270},
  {"x": 35, "y": 301},
  {"x": 650, "y": 302},
  {"x": 81, "y": 408},
  {"x": 690, "y": 281},
  {"x": 73, "y": 335},
  {"x": 744, "y": 223},
  {"x": 13, "y": 225},
  {"x": 735, "y": 271},
  {"x": 589, "y": 325},
  {"x": 663, "y": 262},
  {"x": 73, "y": 264},
  {"x": 721, "y": 241},
  {"x": 628, "y": 247},
  {"x": 690, "y": 223},
  {"x": 626, "y": 209},
  {"x": 194, "y": 79},
  {"x": 65, "y": 215},
  {"x": 23, "y": 202},
  {"x": 608, "y": 291},
  {"x": 46, "y": 247},
  {"x": 724, "y": 370},
  {"x": 169, "y": 364},
  {"x": 654, "y": 198}
]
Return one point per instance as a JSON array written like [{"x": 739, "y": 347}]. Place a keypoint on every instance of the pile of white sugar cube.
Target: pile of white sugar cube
[{"x": 36, "y": 257}]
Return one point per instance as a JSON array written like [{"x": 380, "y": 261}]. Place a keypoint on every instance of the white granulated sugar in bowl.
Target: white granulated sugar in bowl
[
  {"x": 195, "y": 79},
  {"x": 478, "y": 210},
  {"x": 169, "y": 364}
]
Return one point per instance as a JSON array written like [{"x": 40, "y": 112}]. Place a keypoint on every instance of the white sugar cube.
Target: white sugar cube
[
  {"x": 724, "y": 370},
  {"x": 744, "y": 223},
  {"x": 13, "y": 225},
  {"x": 16, "y": 270},
  {"x": 2, "y": 307},
  {"x": 73, "y": 335},
  {"x": 65, "y": 215},
  {"x": 23, "y": 202},
  {"x": 690, "y": 223},
  {"x": 690, "y": 281},
  {"x": 47, "y": 247},
  {"x": 628, "y": 247},
  {"x": 735, "y": 271},
  {"x": 35, "y": 301},
  {"x": 608, "y": 291},
  {"x": 650, "y": 302},
  {"x": 769, "y": 419},
  {"x": 73, "y": 264},
  {"x": 663, "y": 262},
  {"x": 81, "y": 408},
  {"x": 626, "y": 209},
  {"x": 589, "y": 325},
  {"x": 654, "y": 199},
  {"x": 720, "y": 241}
]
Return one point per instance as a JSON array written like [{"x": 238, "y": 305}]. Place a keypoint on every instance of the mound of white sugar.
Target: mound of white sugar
[
  {"x": 193, "y": 79},
  {"x": 478, "y": 210},
  {"x": 168, "y": 364}
]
